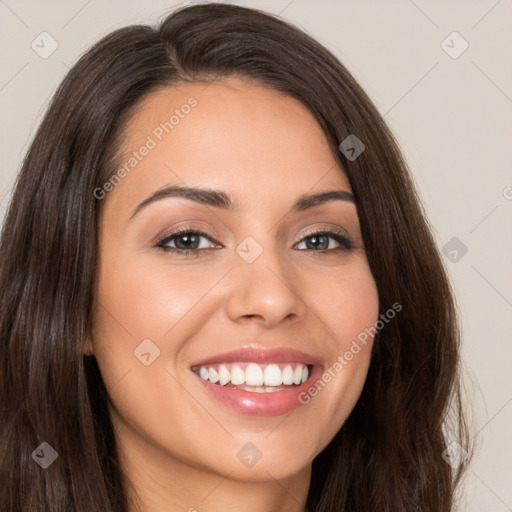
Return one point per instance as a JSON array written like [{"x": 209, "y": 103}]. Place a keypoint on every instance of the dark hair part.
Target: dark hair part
[{"x": 388, "y": 454}]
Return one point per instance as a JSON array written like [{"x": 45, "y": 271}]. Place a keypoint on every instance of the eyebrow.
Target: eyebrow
[{"x": 220, "y": 199}]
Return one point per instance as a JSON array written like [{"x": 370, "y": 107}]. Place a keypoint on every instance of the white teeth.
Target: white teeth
[
  {"x": 305, "y": 374},
  {"x": 224, "y": 375},
  {"x": 272, "y": 375},
  {"x": 260, "y": 389},
  {"x": 288, "y": 375},
  {"x": 297, "y": 375},
  {"x": 269, "y": 379},
  {"x": 213, "y": 376},
  {"x": 253, "y": 375},
  {"x": 237, "y": 376}
]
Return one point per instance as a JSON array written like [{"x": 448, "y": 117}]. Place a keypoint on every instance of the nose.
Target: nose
[{"x": 266, "y": 291}]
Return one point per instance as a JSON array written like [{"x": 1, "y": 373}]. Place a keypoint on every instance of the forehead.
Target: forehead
[{"x": 234, "y": 135}]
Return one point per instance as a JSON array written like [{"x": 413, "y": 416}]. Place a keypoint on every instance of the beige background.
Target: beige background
[{"x": 452, "y": 117}]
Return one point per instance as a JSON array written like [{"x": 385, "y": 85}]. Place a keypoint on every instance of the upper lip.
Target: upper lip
[{"x": 260, "y": 355}]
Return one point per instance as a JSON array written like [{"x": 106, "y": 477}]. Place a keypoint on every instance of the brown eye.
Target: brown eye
[{"x": 185, "y": 241}]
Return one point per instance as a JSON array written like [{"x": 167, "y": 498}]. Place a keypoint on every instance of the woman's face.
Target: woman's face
[{"x": 259, "y": 281}]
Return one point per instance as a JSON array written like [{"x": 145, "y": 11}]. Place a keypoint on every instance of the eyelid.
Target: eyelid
[
  {"x": 324, "y": 229},
  {"x": 185, "y": 229},
  {"x": 181, "y": 230}
]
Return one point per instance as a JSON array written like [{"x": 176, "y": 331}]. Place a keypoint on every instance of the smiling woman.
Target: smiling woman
[{"x": 252, "y": 316}]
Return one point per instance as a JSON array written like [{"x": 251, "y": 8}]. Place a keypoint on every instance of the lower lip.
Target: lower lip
[{"x": 261, "y": 404}]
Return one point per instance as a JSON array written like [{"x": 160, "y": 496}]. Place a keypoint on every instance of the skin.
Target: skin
[{"x": 177, "y": 446}]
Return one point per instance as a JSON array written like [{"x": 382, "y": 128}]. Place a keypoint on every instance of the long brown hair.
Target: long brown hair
[{"x": 389, "y": 454}]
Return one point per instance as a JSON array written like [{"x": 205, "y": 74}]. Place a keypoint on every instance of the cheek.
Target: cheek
[
  {"x": 350, "y": 308},
  {"x": 347, "y": 301},
  {"x": 358, "y": 309},
  {"x": 136, "y": 302},
  {"x": 149, "y": 300}
]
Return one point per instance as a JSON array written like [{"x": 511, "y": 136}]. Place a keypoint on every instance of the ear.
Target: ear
[{"x": 88, "y": 348}]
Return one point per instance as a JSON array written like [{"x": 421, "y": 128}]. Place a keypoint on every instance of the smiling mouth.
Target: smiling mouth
[{"x": 254, "y": 377}]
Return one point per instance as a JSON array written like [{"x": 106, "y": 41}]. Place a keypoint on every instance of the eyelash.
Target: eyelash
[{"x": 338, "y": 236}]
